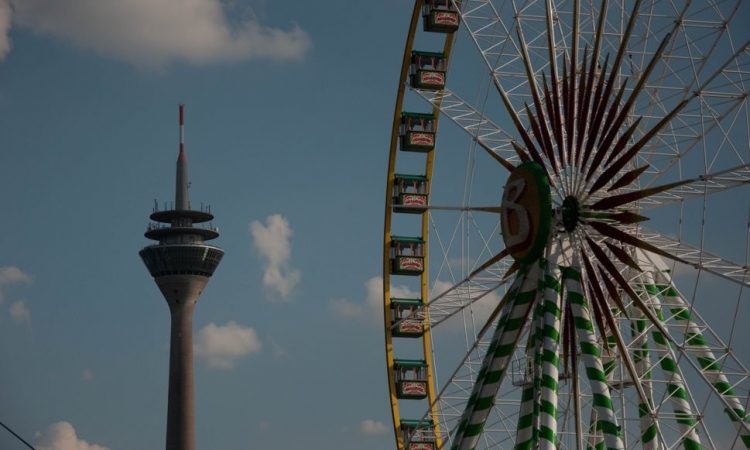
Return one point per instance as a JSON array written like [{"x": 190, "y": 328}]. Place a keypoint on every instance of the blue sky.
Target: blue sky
[
  {"x": 296, "y": 144},
  {"x": 288, "y": 114}
]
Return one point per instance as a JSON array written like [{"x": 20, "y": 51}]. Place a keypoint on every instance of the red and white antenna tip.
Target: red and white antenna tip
[{"x": 182, "y": 126}]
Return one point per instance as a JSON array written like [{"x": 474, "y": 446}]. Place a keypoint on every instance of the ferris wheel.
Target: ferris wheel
[{"x": 565, "y": 258}]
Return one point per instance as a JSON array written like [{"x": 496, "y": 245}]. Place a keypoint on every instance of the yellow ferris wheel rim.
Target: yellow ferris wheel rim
[{"x": 387, "y": 238}]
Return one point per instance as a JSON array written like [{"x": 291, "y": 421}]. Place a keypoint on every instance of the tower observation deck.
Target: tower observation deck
[{"x": 181, "y": 264}]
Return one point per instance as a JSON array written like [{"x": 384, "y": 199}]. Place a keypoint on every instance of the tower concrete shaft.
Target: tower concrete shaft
[
  {"x": 181, "y": 264},
  {"x": 181, "y": 407},
  {"x": 181, "y": 293}
]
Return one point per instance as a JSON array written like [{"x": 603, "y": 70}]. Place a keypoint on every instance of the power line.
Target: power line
[{"x": 17, "y": 436}]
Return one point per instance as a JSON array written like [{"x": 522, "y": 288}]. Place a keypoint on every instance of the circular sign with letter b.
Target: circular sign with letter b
[{"x": 526, "y": 214}]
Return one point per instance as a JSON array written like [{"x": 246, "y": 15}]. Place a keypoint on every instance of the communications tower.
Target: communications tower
[{"x": 181, "y": 264}]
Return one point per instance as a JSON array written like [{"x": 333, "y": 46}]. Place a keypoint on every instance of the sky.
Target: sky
[{"x": 288, "y": 113}]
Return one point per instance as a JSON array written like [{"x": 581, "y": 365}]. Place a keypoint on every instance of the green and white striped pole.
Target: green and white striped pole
[
  {"x": 686, "y": 418},
  {"x": 606, "y": 421},
  {"x": 550, "y": 363},
  {"x": 539, "y": 324},
  {"x": 525, "y": 428},
  {"x": 695, "y": 343},
  {"x": 527, "y": 431},
  {"x": 496, "y": 361},
  {"x": 609, "y": 363},
  {"x": 528, "y": 410},
  {"x": 642, "y": 363}
]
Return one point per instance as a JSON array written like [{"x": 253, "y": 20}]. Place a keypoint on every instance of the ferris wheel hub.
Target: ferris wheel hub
[{"x": 571, "y": 213}]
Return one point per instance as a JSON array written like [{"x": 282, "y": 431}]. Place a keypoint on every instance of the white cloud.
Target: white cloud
[
  {"x": 19, "y": 312},
  {"x": 372, "y": 427},
  {"x": 220, "y": 346},
  {"x": 272, "y": 241},
  {"x": 87, "y": 375},
  {"x": 5, "y": 15},
  {"x": 372, "y": 306},
  {"x": 347, "y": 309},
  {"x": 11, "y": 275},
  {"x": 62, "y": 436},
  {"x": 152, "y": 33},
  {"x": 279, "y": 352}
]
